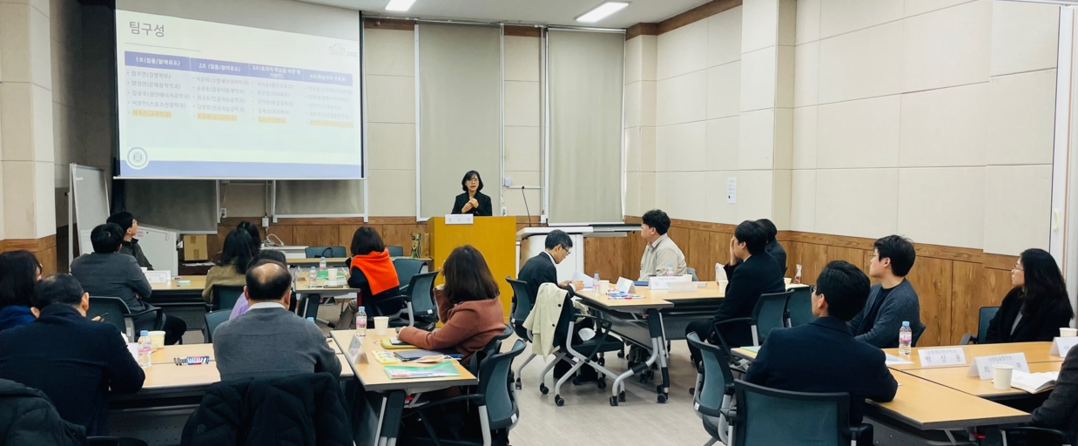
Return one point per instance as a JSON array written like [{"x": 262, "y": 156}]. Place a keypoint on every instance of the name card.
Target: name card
[
  {"x": 682, "y": 287},
  {"x": 459, "y": 219},
  {"x": 942, "y": 357},
  {"x": 982, "y": 365},
  {"x": 663, "y": 282},
  {"x": 356, "y": 347},
  {"x": 159, "y": 276},
  {"x": 1060, "y": 346},
  {"x": 625, "y": 285}
]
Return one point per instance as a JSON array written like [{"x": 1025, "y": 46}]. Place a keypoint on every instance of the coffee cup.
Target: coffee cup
[
  {"x": 157, "y": 339},
  {"x": 381, "y": 325},
  {"x": 1001, "y": 376},
  {"x": 788, "y": 280},
  {"x": 604, "y": 286},
  {"x": 1067, "y": 332}
]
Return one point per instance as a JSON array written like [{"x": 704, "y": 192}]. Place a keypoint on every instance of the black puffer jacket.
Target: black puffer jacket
[
  {"x": 303, "y": 409},
  {"x": 27, "y": 417}
]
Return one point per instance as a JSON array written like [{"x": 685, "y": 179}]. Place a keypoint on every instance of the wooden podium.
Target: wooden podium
[{"x": 495, "y": 237}]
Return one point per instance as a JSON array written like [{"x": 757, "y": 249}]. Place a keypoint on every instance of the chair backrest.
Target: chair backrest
[
  {"x": 111, "y": 310},
  {"x": 395, "y": 251},
  {"x": 493, "y": 346},
  {"x": 314, "y": 252},
  {"x": 983, "y": 319},
  {"x": 692, "y": 272},
  {"x": 406, "y": 269},
  {"x": 225, "y": 296},
  {"x": 494, "y": 385},
  {"x": 768, "y": 416},
  {"x": 769, "y": 313},
  {"x": 799, "y": 307},
  {"x": 718, "y": 380},
  {"x": 213, "y": 320},
  {"x": 421, "y": 294},
  {"x": 523, "y": 301}
]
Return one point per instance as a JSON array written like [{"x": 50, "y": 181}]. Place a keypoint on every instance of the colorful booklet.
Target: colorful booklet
[{"x": 444, "y": 369}]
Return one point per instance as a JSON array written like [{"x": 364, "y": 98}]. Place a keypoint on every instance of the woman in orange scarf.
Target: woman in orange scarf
[{"x": 372, "y": 271}]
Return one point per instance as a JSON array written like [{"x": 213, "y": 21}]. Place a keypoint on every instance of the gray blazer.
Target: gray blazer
[
  {"x": 902, "y": 304},
  {"x": 271, "y": 342},
  {"x": 113, "y": 275}
]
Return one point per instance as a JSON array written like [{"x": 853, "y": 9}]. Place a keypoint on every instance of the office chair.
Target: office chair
[
  {"x": 492, "y": 347},
  {"x": 213, "y": 320},
  {"x": 714, "y": 389},
  {"x": 420, "y": 308},
  {"x": 314, "y": 252},
  {"x": 521, "y": 308},
  {"x": 799, "y": 307},
  {"x": 766, "y": 416},
  {"x": 581, "y": 354},
  {"x": 769, "y": 313},
  {"x": 116, "y": 312},
  {"x": 225, "y": 296},
  {"x": 406, "y": 268},
  {"x": 395, "y": 251},
  {"x": 984, "y": 318},
  {"x": 692, "y": 272}
]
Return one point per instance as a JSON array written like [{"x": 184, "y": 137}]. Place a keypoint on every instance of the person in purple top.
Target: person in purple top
[{"x": 242, "y": 305}]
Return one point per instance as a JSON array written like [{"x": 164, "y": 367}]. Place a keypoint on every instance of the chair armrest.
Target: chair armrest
[
  {"x": 731, "y": 415},
  {"x": 858, "y": 433},
  {"x": 144, "y": 312},
  {"x": 382, "y": 306},
  {"x": 1054, "y": 433},
  {"x": 474, "y": 396},
  {"x": 730, "y": 321},
  {"x": 968, "y": 339}
]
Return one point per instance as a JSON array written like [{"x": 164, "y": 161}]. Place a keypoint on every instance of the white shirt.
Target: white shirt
[{"x": 265, "y": 305}]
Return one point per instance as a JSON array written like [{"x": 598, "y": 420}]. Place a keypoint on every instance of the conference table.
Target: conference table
[{"x": 946, "y": 398}]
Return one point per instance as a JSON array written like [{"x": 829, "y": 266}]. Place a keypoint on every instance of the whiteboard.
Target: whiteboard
[{"x": 89, "y": 187}]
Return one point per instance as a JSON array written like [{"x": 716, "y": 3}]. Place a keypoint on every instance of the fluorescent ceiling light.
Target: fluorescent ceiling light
[
  {"x": 399, "y": 5},
  {"x": 602, "y": 11}
]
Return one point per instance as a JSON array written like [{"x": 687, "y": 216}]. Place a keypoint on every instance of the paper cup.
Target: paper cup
[
  {"x": 604, "y": 286},
  {"x": 788, "y": 280},
  {"x": 1001, "y": 376},
  {"x": 157, "y": 339},
  {"x": 381, "y": 325},
  {"x": 1066, "y": 332},
  {"x": 723, "y": 283}
]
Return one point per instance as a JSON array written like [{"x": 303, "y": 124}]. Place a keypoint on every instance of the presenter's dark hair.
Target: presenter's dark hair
[
  {"x": 366, "y": 240},
  {"x": 18, "y": 274},
  {"x": 468, "y": 176},
  {"x": 238, "y": 250},
  {"x": 267, "y": 280},
  {"x": 122, "y": 218},
  {"x": 558, "y": 237},
  {"x": 770, "y": 228},
  {"x": 845, "y": 288},
  {"x": 658, "y": 220},
  {"x": 467, "y": 276},
  {"x": 753, "y": 235},
  {"x": 900, "y": 250},
  {"x": 1044, "y": 286},
  {"x": 107, "y": 238},
  {"x": 61, "y": 289},
  {"x": 256, "y": 238}
]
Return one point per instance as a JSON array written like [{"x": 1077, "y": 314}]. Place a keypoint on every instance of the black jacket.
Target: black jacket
[
  {"x": 778, "y": 253},
  {"x": 27, "y": 417},
  {"x": 76, "y": 362},
  {"x": 132, "y": 248},
  {"x": 1042, "y": 325},
  {"x": 748, "y": 280},
  {"x": 807, "y": 359},
  {"x": 537, "y": 271},
  {"x": 295, "y": 410},
  {"x": 1060, "y": 410},
  {"x": 484, "y": 210}
]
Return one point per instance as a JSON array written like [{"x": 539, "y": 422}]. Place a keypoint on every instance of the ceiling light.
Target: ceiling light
[
  {"x": 399, "y": 5},
  {"x": 602, "y": 11}
]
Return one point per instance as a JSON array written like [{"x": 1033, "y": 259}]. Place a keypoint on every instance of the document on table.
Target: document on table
[
  {"x": 895, "y": 360},
  {"x": 588, "y": 281},
  {"x": 752, "y": 349}
]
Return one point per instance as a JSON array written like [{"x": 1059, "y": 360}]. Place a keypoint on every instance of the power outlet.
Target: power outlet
[
  {"x": 265, "y": 222},
  {"x": 224, "y": 213}
]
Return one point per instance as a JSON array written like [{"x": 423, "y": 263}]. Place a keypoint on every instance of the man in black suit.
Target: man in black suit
[
  {"x": 75, "y": 361},
  {"x": 822, "y": 356},
  {"x": 756, "y": 274}
]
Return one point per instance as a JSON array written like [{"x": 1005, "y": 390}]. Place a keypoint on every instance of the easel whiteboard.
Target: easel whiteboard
[{"x": 89, "y": 190}]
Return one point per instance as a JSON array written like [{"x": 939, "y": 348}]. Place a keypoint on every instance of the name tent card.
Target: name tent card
[
  {"x": 942, "y": 357},
  {"x": 682, "y": 287},
  {"x": 982, "y": 365},
  {"x": 1060, "y": 346},
  {"x": 663, "y": 282},
  {"x": 356, "y": 347},
  {"x": 625, "y": 285},
  {"x": 158, "y": 276},
  {"x": 459, "y": 219}
]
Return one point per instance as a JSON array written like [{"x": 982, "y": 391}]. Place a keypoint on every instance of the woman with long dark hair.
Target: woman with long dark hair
[
  {"x": 1037, "y": 305},
  {"x": 232, "y": 268},
  {"x": 19, "y": 271}
]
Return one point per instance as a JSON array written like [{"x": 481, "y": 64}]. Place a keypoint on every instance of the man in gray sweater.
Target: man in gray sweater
[
  {"x": 892, "y": 300},
  {"x": 270, "y": 341}
]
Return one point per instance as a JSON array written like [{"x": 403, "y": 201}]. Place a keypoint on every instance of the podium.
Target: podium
[{"x": 494, "y": 237}]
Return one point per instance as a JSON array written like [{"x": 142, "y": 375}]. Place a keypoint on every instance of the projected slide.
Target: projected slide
[{"x": 207, "y": 100}]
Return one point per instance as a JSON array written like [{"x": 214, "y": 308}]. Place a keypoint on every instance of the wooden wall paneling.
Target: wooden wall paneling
[
  {"x": 813, "y": 258},
  {"x": 997, "y": 283},
  {"x": 283, "y": 232},
  {"x": 630, "y": 256},
  {"x": 720, "y": 248},
  {"x": 967, "y": 297},
  {"x": 701, "y": 260},
  {"x": 399, "y": 235},
  {"x": 316, "y": 235},
  {"x": 345, "y": 233},
  {"x": 932, "y": 279},
  {"x": 853, "y": 255},
  {"x": 603, "y": 255}
]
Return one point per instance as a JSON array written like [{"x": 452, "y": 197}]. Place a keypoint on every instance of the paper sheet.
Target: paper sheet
[{"x": 895, "y": 360}]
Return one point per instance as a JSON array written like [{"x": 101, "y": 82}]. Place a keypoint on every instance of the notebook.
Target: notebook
[
  {"x": 412, "y": 355},
  {"x": 1033, "y": 382},
  {"x": 430, "y": 371},
  {"x": 395, "y": 344}
]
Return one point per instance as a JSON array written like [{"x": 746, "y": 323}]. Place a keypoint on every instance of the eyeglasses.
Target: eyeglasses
[
  {"x": 1018, "y": 267},
  {"x": 812, "y": 289}
]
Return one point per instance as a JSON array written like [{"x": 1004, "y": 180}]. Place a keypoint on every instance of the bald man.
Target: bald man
[{"x": 270, "y": 341}]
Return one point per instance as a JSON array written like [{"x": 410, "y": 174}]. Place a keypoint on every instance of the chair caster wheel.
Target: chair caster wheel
[
  {"x": 659, "y": 390},
  {"x": 662, "y": 399},
  {"x": 614, "y": 401},
  {"x": 518, "y": 384},
  {"x": 558, "y": 400},
  {"x": 543, "y": 389},
  {"x": 621, "y": 396},
  {"x": 621, "y": 353},
  {"x": 601, "y": 384},
  {"x": 576, "y": 381}
]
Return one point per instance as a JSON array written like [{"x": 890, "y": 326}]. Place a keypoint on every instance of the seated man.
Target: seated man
[
  {"x": 773, "y": 248},
  {"x": 76, "y": 362},
  {"x": 757, "y": 274},
  {"x": 127, "y": 222},
  {"x": 661, "y": 255},
  {"x": 108, "y": 273},
  {"x": 893, "y": 299},
  {"x": 270, "y": 341},
  {"x": 1058, "y": 411},
  {"x": 822, "y": 356}
]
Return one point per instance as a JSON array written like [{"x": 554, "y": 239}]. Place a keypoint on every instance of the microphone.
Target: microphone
[{"x": 525, "y": 197}]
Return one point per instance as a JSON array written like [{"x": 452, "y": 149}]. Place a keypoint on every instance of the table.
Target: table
[
  {"x": 1035, "y": 352},
  {"x": 378, "y": 413},
  {"x": 182, "y": 301},
  {"x": 957, "y": 379},
  {"x": 340, "y": 261}
]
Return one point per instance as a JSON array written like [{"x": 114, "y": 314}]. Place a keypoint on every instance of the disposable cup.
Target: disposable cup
[
  {"x": 157, "y": 339},
  {"x": 1001, "y": 376},
  {"x": 381, "y": 325},
  {"x": 1066, "y": 332}
]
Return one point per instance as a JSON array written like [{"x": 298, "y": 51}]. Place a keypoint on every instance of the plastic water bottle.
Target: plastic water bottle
[
  {"x": 312, "y": 277},
  {"x": 322, "y": 264},
  {"x": 311, "y": 320},
  {"x": 670, "y": 269},
  {"x": 595, "y": 283},
  {"x": 361, "y": 322},
  {"x": 905, "y": 339},
  {"x": 145, "y": 348}
]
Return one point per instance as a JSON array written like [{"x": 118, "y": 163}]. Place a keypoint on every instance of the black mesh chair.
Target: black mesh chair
[
  {"x": 799, "y": 307},
  {"x": 406, "y": 269},
  {"x": 521, "y": 308},
  {"x": 395, "y": 251},
  {"x": 225, "y": 296},
  {"x": 213, "y": 320},
  {"x": 984, "y": 318},
  {"x": 420, "y": 309},
  {"x": 314, "y": 252},
  {"x": 714, "y": 391},
  {"x": 766, "y": 416},
  {"x": 581, "y": 354},
  {"x": 116, "y": 312},
  {"x": 769, "y": 313}
]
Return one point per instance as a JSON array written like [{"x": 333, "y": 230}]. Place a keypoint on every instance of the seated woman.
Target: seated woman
[
  {"x": 1037, "y": 305},
  {"x": 256, "y": 237},
  {"x": 372, "y": 271},
  {"x": 242, "y": 305},
  {"x": 468, "y": 306},
  {"x": 19, "y": 271},
  {"x": 232, "y": 268}
]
